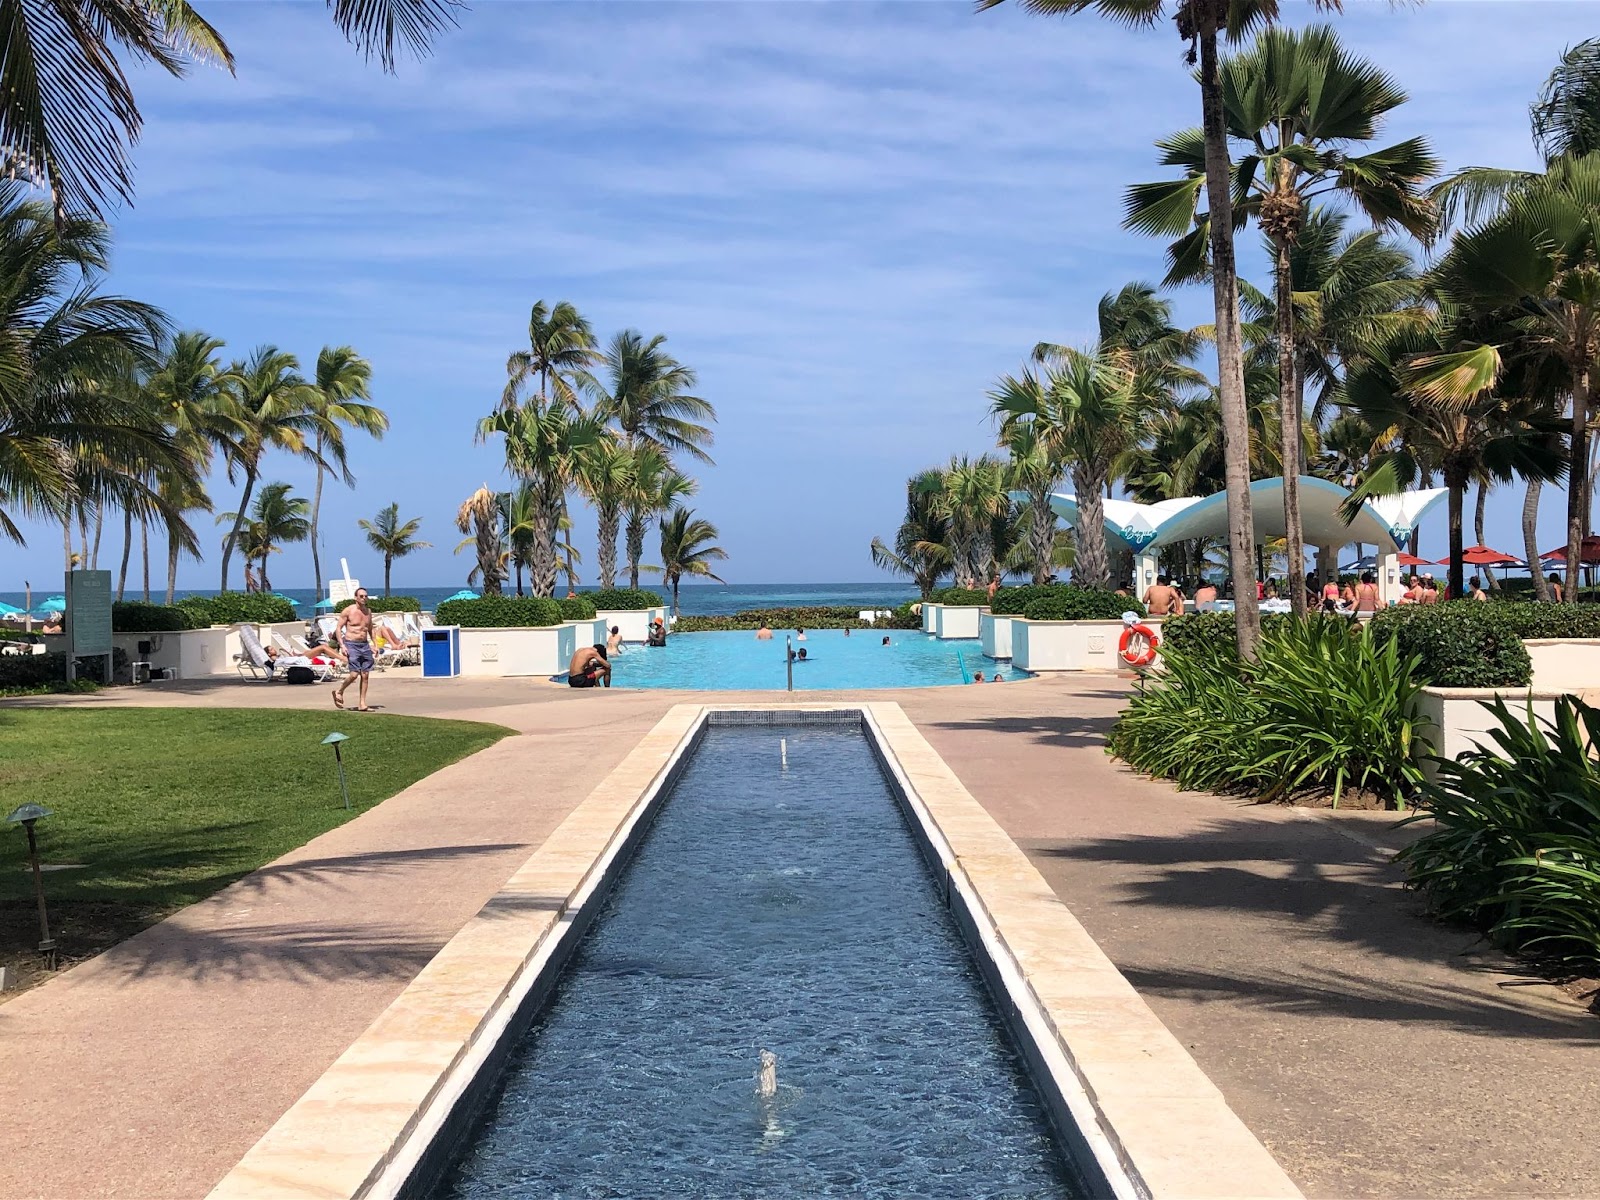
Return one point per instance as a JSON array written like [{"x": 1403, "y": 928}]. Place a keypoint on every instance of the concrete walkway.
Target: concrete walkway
[{"x": 1375, "y": 1053}]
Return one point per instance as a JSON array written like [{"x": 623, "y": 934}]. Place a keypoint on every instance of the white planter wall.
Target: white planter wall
[
  {"x": 930, "y": 618},
  {"x": 521, "y": 651},
  {"x": 1461, "y": 722},
  {"x": 995, "y": 634},
  {"x": 634, "y": 622},
  {"x": 1067, "y": 645},
  {"x": 192, "y": 653},
  {"x": 1565, "y": 664},
  {"x": 957, "y": 621}
]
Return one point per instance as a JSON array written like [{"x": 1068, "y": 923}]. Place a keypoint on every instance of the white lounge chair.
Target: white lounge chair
[{"x": 252, "y": 660}]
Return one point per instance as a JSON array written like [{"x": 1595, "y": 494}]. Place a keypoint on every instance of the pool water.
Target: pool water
[
  {"x": 783, "y": 909},
  {"x": 738, "y": 661}
]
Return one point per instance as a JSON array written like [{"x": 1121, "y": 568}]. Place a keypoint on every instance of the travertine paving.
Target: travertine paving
[{"x": 1373, "y": 1052}]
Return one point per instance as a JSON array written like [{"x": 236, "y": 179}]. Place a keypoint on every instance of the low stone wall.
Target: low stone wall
[
  {"x": 995, "y": 634},
  {"x": 1565, "y": 664},
  {"x": 1067, "y": 645},
  {"x": 930, "y": 617},
  {"x": 1460, "y": 722},
  {"x": 634, "y": 622},
  {"x": 545, "y": 650},
  {"x": 190, "y": 653},
  {"x": 953, "y": 621}
]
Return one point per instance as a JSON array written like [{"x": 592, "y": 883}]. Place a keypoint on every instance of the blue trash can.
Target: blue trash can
[{"x": 441, "y": 652}]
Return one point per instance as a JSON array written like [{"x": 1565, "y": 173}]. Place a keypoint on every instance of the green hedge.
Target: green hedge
[
  {"x": 232, "y": 608},
  {"x": 959, "y": 596},
  {"x": 385, "y": 604},
  {"x": 1080, "y": 604},
  {"x": 48, "y": 672},
  {"x": 499, "y": 612},
  {"x": 837, "y": 616},
  {"x": 1462, "y": 643},
  {"x": 132, "y": 616},
  {"x": 1013, "y": 601},
  {"x": 624, "y": 598},
  {"x": 1549, "y": 620},
  {"x": 576, "y": 608}
]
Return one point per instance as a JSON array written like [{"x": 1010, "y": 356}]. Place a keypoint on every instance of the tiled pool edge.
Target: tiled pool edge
[{"x": 1152, "y": 1123}]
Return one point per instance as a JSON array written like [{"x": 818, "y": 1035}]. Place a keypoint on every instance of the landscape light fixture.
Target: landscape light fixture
[
  {"x": 26, "y": 816},
  {"x": 333, "y": 739}
]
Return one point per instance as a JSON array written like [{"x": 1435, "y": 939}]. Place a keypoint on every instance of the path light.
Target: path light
[
  {"x": 26, "y": 816},
  {"x": 333, "y": 739}
]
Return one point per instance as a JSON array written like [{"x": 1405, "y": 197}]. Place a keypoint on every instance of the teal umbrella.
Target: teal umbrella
[
  {"x": 290, "y": 599},
  {"x": 327, "y": 602},
  {"x": 464, "y": 594},
  {"x": 9, "y": 610},
  {"x": 54, "y": 604}
]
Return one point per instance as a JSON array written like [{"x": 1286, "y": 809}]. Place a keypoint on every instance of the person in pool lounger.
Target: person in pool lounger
[{"x": 589, "y": 668}]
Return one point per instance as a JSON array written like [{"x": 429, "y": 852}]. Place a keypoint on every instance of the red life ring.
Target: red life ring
[{"x": 1138, "y": 645}]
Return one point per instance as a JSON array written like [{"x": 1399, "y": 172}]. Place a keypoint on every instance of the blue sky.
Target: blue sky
[{"x": 848, "y": 217}]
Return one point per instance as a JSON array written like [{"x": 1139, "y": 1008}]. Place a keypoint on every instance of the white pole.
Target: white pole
[{"x": 783, "y": 751}]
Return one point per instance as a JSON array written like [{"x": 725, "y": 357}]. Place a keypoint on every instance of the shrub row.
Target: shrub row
[
  {"x": 624, "y": 598},
  {"x": 231, "y": 608},
  {"x": 48, "y": 672},
  {"x": 1462, "y": 643},
  {"x": 1080, "y": 604},
  {"x": 576, "y": 608},
  {"x": 1322, "y": 708},
  {"x": 1515, "y": 848},
  {"x": 385, "y": 604},
  {"x": 959, "y": 596},
  {"x": 133, "y": 616},
  {"x": 816, "y": 617},
  {"x": 499, "y": 612}
]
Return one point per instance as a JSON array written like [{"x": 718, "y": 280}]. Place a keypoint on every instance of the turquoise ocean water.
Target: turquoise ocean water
[{"x": 698, "y": 600}]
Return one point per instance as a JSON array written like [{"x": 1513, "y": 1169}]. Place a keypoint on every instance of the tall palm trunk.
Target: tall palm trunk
[
  {"x": 66, "y": 542},
  {"x": 84, "y": 562},
  {"x": 1530, "y": 537},
  {"x": 1042, "y": 536},
  {"x": 1577, "y": 468},
  {"x": 99, "y": 527},
  {"x": 542, "y": 569},
  {"x": 1289, "y": 422},
  {"x": 238, "y": 523},
  {"x": 1455, "y": 481},
  {"x": 1091, "y": 568},
  {"x": 609, "y": 515},
  {"x": 1478, "y": 513},
  {"x": 676, "y": 608},
  {"x": 144, "y": 555},
  {"x": 316, "y": 516},
  {"x": 172, "y": 565},
  {"x": 1230, "y": 357},
  {"x": 127, "y": 552},
  {"x": 635, "y": 544}
]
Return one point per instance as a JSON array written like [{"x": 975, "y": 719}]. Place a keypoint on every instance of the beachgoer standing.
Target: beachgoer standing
[
  {"x": 764, "y": 634},
  {"x": 1430, "y": 591},
  {"x": 799, "y": 634},
  {"x": 1555, "y": 586},
  {"x": 1367, "y": 594},
  {"x": 994, "y": 586},
  {"x": 354, "y": 635},
  {"x": 614, "y": 640},
  {"x": 1477, "y": 593}
]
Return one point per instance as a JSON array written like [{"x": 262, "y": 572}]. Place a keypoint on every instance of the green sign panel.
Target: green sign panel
[{"x": 89, "y": 612}]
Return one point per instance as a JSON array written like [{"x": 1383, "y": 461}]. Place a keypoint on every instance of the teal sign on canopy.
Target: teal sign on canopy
[{"x": 89, "y": 612}]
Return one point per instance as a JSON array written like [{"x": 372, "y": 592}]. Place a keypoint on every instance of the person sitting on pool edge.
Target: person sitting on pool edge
[{"x": 589, "y": 667}]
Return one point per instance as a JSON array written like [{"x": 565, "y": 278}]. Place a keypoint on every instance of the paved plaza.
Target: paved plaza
[{"x": 1373, "y": 1051}]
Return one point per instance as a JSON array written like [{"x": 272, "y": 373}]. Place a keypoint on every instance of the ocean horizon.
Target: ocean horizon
[{"x": 698, "y": 600}]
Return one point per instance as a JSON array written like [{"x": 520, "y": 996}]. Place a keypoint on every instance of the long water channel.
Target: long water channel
[{"x": 780, "y": 908}]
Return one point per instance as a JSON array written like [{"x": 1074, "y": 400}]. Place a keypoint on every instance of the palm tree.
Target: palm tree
[
  {"x": 1435, "y": 408},
  {"x": 392, "y": 538},
  {"x": 278, "y": 518},
  {"x": 1199, "y": 22},
  {"x": 1295, "y": 101},
  {"x": 560, "y": 348},
  {"x": 968, "y": 494},
  {"x": 275, "y": 406},
  {"x": 543, "y": 447},
  {"x": 1531, "y": 273},
  {"x": 687, "y": 549},
  {"x": 479, "y": 518},
  {"x": 657, "y": 486},
  {"x": 73, "y": 438},
  {"x": 67, "y": 109},
  {"x": 646, "y": 394},
  {"x": 338, "y": 399},
  {"x": 1035, "y": 466},
  {"x": 518, "y": 525},
  {"x": 921, "y": 552},
  {"x": 605, "y": 477}
]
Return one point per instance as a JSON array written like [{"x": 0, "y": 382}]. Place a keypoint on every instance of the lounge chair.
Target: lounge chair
[
  {"x": 252, "y": 660},
  {"x": 290, "y": 647}
]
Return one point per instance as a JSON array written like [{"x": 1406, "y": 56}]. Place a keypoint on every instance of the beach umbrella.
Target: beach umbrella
[
  {"x": 1483, "y": 556},
  {"x": 464, "y": 594},
  {"x": 290, "y": 599},
  {"x": 326, "y": 602},
  {"x": 1589, "y": 551},
  {"x": 9, "y": 610},
  {"x": 56, "y": 604},
  {"x": 1411, "y": 560}
]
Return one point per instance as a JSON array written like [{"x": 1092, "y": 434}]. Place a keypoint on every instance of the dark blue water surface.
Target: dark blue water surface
[{"x": 769, "y": 909}]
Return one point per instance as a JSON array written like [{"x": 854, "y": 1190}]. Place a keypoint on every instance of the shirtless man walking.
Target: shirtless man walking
[{"x": 354, "y": 635}]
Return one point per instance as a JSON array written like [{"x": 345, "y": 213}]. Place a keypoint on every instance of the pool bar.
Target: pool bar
[{"x": 1131, "y": 1112}]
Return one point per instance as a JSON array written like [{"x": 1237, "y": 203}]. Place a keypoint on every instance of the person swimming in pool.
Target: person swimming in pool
[
  {"x": 764, "y": 634},
  {"x": 800, "y": 655},
  {"x": 885, "y": 641}
]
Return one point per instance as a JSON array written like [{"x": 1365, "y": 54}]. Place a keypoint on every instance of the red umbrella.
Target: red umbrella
[
  {"x": 1411, "y": 560},
  {"x": 1483, "y": 556},
  {"x": 1589, "y": 551}
]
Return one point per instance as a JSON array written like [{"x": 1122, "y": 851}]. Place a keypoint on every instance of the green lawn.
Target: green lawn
[{"x": 164, "y": 806}]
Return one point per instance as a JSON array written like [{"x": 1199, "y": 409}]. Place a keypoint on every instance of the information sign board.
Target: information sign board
[{"x": 88, "y": 596}]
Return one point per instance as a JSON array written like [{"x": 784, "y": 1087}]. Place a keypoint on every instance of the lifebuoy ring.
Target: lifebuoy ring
[{"x": 1138, "y": 645}]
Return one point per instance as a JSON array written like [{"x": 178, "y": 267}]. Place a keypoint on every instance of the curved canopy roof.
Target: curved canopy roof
[{"x": 1383, "y": 522}]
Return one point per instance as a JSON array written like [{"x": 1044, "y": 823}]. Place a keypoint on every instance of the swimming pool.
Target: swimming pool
[{"x": 738, "y": 661}]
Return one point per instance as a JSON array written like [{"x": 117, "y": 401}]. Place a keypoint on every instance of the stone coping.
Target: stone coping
[
  {"x": 1506, "y": 693},
  {"x": 1144, "y": 1120}
]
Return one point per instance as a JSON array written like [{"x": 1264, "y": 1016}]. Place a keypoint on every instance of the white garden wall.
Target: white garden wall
[
  {"x": 957, "y": 621},
  {"x": 930, "y": 618},
  {"x": 634, "y": 622},
  {"x": 995, "y": 634},
  {"x": 1565, "y": 664},
  {"x": 1067, "y": 645},
  {"x": 1460, "y": 722},
  {"x": 518, "y": 651}
]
